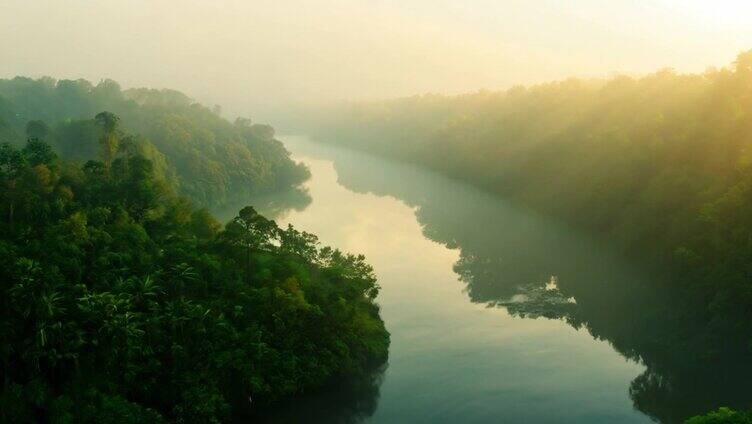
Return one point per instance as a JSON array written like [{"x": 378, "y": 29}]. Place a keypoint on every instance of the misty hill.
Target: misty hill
[
  {"x": 122, "y": 302},
  {"x": 204, "y": 156},
  {"x": 660, "y": 166}
]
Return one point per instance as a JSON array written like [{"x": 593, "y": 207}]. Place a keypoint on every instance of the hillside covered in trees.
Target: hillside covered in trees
[
  {"x": 659, "y": 166},
  {"x": 121, "y": 302},
  {"x": 205, "y": 157}
]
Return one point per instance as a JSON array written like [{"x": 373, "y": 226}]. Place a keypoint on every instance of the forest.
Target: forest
[
  {"x": 658, "y": 166},
  {"x": 202, "y": 155},
  {"x": 328, "y": 211},
  {"x": 123, "y": 302},
  {"x": 507, "y": 255}
]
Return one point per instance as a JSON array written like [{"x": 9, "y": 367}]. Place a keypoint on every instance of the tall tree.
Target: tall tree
[{"x": 109, "y": 140}]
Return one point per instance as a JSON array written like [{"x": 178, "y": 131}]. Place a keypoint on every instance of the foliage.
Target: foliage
[
  {"x": 207, "y": 158},
  {"x": 722, "y": 416},
  {"x": 511, "y": 256},
  {"x": 658, "y": 166},
  {"x": 121, "y": 302}
]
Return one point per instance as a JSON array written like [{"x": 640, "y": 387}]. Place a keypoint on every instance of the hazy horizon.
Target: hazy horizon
[
  {"x": 460, "y": 211},
  {"x": 255, "y": 59}
]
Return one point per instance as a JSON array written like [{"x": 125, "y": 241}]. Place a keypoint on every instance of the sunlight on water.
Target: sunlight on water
[{"x": 451, "y": 359}]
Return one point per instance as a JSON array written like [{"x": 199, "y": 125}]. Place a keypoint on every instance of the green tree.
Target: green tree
[
  {"x": 122, "y": 302},
  {"x": 722, "y": 416},
  {"x": 109, "y": 140}
]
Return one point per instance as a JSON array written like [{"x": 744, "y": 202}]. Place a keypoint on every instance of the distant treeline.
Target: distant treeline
[
  {"x": 205, "y": 157},
  {"x": 121, "y": 302},
  {"x": 660, "y": 166}
]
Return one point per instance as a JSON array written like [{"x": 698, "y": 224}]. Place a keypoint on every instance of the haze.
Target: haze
[
  {"x": 256, "y": 57},
  {"x": 376, "y": 211}
]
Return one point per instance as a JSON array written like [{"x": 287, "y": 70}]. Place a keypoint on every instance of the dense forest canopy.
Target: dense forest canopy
[
  {"x": 121, "y": 302},
  {"x": 534, "y": 267},
  {"x": 660, "y": 165},
  {"x": 207, "y": 158}
]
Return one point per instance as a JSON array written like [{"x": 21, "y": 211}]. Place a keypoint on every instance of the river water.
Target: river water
[{"x": 496, "y": 314}]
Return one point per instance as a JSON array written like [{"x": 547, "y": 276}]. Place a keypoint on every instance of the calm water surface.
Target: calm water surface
[{"x": 496, "y": 314}]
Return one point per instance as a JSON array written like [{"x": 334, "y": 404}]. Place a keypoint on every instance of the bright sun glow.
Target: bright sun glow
[{"x": 734, "y": 14}]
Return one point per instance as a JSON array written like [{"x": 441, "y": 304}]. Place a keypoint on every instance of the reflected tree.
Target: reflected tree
[{"x": 508, "y": 255}]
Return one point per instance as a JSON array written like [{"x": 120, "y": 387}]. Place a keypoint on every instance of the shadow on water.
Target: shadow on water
[
  {"x": 343, "y": 401},
  {"x": 272, "y": 205},
  {"x": 535, "y": 267}
]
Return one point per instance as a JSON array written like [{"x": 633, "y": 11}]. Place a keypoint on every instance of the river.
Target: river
[{"x": 496, "y": 314}]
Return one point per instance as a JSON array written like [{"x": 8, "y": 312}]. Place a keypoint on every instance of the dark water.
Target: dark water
[{"x": 496, "y": 313}]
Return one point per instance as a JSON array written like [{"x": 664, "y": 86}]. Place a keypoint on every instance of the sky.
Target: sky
[{"x": 255, "y": 57}]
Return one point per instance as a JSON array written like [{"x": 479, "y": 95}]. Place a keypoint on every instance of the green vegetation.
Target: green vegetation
[
  {"x": 722, "y": 416},
  {"x": 507, "y": 256},
  {"x": 123, "y": 303},
  {"x": 659, "y": 166},
  {"x": 207, "y": 158}
]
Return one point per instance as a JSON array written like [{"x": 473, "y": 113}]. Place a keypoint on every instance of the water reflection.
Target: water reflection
[
  {"x": 535, "y": 267},
  {"x": 273, "y": 205},
  {"x": 540, "y": 301},
  {"x": 342, "y": 402}
]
